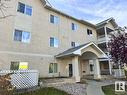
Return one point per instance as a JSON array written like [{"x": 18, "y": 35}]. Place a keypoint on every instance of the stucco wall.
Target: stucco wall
[{"x": 38, "y": 53}]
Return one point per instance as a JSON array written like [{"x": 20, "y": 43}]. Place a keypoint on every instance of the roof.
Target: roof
[
  {"x": 112, "y": 20},
  {"x": 73, "y": 51},
  {"x": 48, "y": 6}
]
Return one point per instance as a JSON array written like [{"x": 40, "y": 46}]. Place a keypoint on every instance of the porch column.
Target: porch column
[
  {"x": 97, "y": 69},
  {"x": 76, "y": 73},
  {"x": 110, "y": 67}
]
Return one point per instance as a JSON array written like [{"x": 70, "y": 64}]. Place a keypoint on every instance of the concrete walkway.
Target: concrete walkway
[{"x": 94, "y": 88}]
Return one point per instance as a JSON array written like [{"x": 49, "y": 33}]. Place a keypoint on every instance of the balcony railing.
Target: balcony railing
[{"x": 102, "y": 38}]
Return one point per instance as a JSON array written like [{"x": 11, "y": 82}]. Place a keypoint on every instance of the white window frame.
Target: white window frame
[
  {"x": 75, "y": 26},
  {"x": 19, "y": 64},
  {"x": 53, "y": 68},
  {"x": 55, "y": 18},
  {"x": 22, "y": 36},
  {"x": 55, "y": 41},
  {"x": 25, "y": 9},
  {"x": 29, "y": 7}
]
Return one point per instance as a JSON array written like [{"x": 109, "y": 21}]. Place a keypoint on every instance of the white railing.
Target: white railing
[
  {"x": 103, "y": 38},
  {"x": 23, "y": 79},
  {"x": 118, "y": 74}
]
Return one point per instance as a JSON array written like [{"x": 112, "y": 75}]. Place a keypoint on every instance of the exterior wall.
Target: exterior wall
[
  {"x": 64, "y": 66},
  {"x": 38, "y": 53},
  {"x": 39, "y": 63},
  {"x": 41, "y": 30}
]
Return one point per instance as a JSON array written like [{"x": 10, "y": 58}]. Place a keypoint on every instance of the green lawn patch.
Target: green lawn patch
[
  {"x": 45, "y": 91},
  {"x": 110, "y": 90}
]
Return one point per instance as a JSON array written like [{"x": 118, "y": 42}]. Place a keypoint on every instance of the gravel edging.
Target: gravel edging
[{"x": 70, "y": 88}]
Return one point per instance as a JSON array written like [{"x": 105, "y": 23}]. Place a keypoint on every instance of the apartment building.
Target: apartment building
[{"x": 41, "y": 37}]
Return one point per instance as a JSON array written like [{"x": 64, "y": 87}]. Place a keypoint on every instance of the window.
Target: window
[
  {"x": 53, "y": 68},
  {"x": 54, "y": 19},
  {"x": 18, "y": 35},
  {"x": 26, "y": 37},
  {"x": 25, "y": 9},
  {"x": 91, "y": 67},
  {"x": 14, "y": 66},
  {"x": 74, "y": 26},
  {"x": 73, "y": 44},
  {"x": 21, "y": 7},
  {"x": 53, "y": 42},
  {"x": 22, "y": 36},
  {"x": 89, "y": 32},
  {"x": 19, "y": 65},
  {"x": 28, "y": 10}
]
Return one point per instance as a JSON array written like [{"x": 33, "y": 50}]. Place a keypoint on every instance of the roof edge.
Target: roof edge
[
  {"x": 102, "y": 23},
  {"x": 64, "y": 14},
  {"x": 78, "y": 51}
]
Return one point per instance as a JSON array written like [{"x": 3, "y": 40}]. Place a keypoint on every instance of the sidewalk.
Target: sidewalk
[{"x": 94, "y": 88}]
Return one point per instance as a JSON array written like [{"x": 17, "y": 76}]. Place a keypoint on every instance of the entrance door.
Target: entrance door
[
  {"x": 70, "y": 70},
  {"x": 91, "y": 66}
]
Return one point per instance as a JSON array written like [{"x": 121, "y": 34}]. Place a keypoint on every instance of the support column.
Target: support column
[
  {"x": 97, "y": 69},
  {"x": 110, "y": 67},
  {"x": 76, "y": 73}
]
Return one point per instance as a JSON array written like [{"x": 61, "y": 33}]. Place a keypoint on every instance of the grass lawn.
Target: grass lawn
[
  {"x": 110, "y": 90},
  {"x": 46, "y": 91}
]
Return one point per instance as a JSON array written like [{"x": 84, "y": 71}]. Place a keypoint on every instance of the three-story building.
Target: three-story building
[{"x": 41, "y": 37}]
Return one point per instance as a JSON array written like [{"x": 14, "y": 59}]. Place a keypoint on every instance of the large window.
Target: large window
[
  {"x": 54, "y": 19},
  {"x": 53, "y": 68},
  {"x": 74, "y": 26},
  {"x": 25, "y": 9},
  {"x": 22, "y": 36},
  {"x": 54, "y": 42},
  {"x": 89, "y": 32},
  {"x": 19, "y": 65}
]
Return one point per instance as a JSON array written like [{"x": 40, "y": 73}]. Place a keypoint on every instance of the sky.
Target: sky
[{"x": 94, "y": 11}]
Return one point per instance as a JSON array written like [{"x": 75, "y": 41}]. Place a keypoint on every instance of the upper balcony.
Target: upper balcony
[
  {"x": 103, "y": 39},
  {"x": 103, "y": 35}
]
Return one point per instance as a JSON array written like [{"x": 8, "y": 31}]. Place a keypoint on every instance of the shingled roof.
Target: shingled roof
[{"x": 72, "y": 51}]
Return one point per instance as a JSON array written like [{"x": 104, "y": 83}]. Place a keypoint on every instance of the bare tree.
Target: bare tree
[{"x": 4, "y": 8}]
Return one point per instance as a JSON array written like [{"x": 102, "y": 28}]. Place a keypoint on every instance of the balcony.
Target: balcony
[{"x": 102, "y": 39}]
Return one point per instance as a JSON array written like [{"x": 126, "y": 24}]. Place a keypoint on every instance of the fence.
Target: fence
[
  {"x": 23, "y": 79},
  {"x": 116, "y": 73}
]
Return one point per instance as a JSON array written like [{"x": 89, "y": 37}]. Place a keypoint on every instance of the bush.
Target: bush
[{"x": 6, "y": 87}]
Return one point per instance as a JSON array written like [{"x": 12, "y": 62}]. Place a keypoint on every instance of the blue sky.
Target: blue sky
[{"x": 94, "y": 11}]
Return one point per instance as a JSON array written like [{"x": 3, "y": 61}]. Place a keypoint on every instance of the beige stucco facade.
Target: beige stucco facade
[{"x": 38, "y": 52}]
